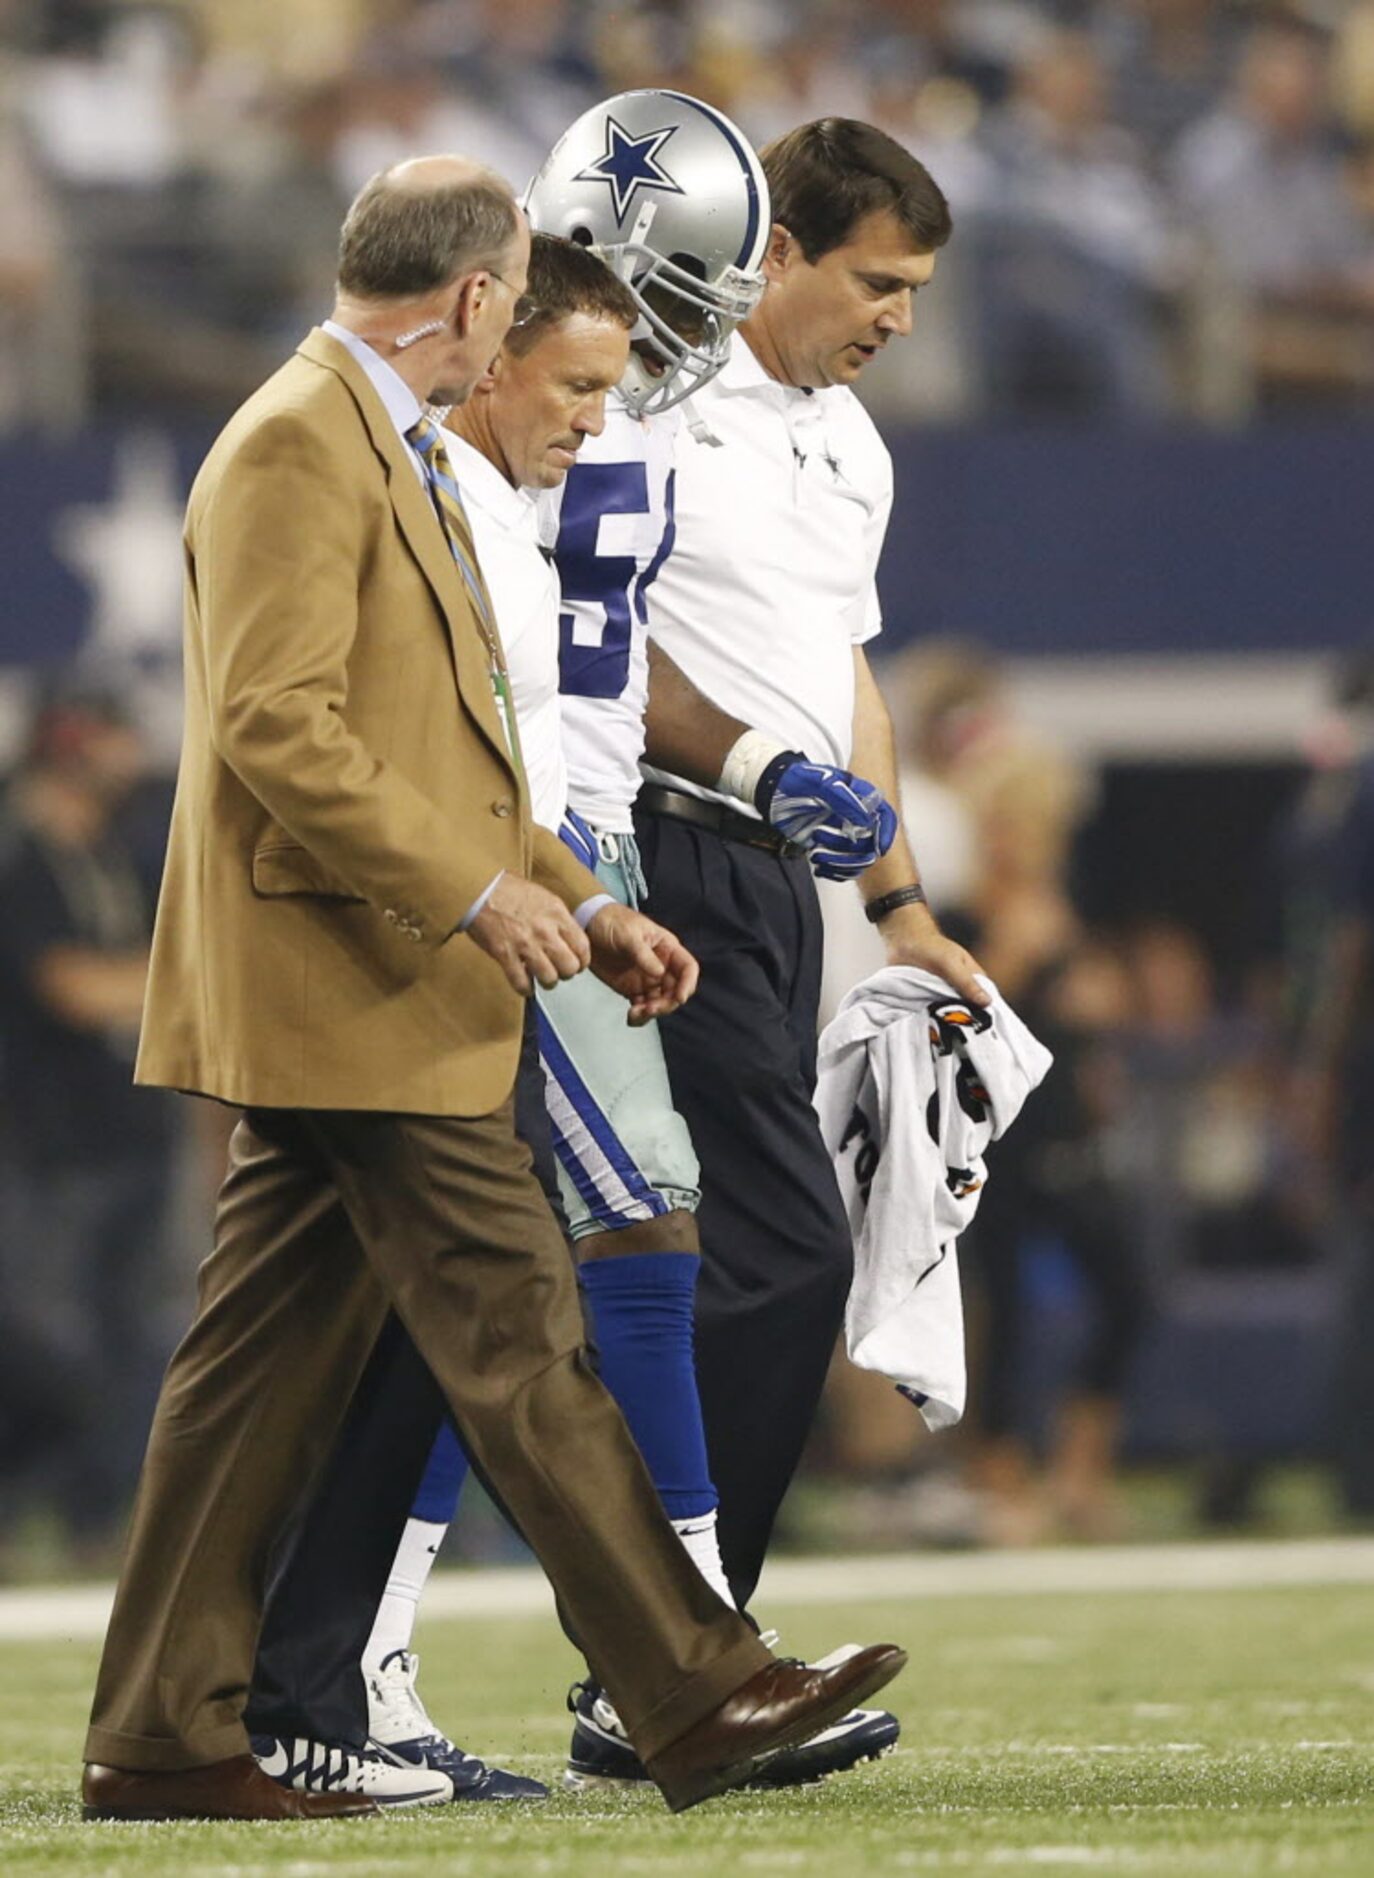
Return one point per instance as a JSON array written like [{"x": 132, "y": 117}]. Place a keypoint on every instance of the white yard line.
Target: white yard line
[{"x": 81, "y": 1612}]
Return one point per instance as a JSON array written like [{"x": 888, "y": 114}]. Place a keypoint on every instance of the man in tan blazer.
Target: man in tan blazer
[{"x": 354, "y": 906}]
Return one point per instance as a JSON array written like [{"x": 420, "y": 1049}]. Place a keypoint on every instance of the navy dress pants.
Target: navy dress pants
[{"x": 777, "y": 1255}]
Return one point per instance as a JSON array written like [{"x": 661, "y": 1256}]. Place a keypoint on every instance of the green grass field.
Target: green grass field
[{"x": 1227, "y": 1733}]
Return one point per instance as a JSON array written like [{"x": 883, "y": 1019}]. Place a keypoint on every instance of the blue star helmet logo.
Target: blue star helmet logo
[{"x": 630, "y": 163}]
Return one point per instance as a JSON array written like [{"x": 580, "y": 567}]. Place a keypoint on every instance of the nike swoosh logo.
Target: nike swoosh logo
[{"x": 277, "y": 1763}]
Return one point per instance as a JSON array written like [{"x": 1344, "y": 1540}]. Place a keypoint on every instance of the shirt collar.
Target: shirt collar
[
  {"x": 743, "y": 371},
  {"x": 402, "y": 406},
  {"x": 481, "y": 482}
]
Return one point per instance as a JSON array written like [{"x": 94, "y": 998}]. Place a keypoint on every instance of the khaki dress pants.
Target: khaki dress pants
[{"x": 325, "y": 1219}]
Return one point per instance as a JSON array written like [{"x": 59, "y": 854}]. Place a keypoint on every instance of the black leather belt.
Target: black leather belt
[{"x": 678, "y": 807}]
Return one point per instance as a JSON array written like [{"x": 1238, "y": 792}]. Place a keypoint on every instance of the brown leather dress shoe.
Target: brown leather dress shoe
[
  {"x": 232, "y": 1789},
  {"x": 781, "y": 1704}
]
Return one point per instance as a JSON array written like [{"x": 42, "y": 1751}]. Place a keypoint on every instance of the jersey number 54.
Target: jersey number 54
[{"x": 604, "y": 594}]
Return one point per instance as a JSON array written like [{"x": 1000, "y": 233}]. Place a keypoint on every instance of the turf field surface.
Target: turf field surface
[{"x": 1222, "y": 1730}]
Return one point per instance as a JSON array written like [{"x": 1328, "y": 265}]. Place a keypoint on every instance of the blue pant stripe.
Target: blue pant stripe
[
  {"x": 579, "y": 1176},
  {"x": 603, "y": 1191},
  {"x": 558, "y": 1065}
]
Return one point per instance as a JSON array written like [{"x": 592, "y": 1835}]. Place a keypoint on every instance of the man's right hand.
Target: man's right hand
[
  {"x": 531, "y": 935},
  {"x": 844, "y": 821}
]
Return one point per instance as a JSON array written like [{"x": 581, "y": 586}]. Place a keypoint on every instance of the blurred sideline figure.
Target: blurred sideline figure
[
  {"x": 1078, "y": 251},
  {"x": 948, "y": 704},
  {"x": 1262, "y": 176},
  {"x": 1005, "y": 808},
  {"x": 1049, "y": 1178},
  {"x": 1169, "y": 59},
  {"x": 40, "y": 373},
  {"x": 83, "y": 1227},
  {"x": 1327, "y": 855}
]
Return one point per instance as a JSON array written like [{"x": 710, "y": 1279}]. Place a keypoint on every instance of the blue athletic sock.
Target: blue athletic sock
[
  {"x": 445, "y": 1471},
  {"x": 642, "y": 1306}
]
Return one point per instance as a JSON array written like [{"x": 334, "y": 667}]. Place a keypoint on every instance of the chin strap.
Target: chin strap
[{"x": 698, "y": 429}]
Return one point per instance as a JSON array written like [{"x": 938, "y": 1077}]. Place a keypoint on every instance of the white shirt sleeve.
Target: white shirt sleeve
[{"x": 870, "y": 621}]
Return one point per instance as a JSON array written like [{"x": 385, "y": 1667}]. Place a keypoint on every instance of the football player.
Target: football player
[{"x": 666, "y": 190}]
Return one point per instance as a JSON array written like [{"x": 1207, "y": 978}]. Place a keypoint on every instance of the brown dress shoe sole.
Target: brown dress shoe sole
[
  {"x": 367, "y": 1809},
  {"x": 690, "y": 1789},
  {"x": 145, "y": 1814},
  {"x": 235, "y": 1788}
]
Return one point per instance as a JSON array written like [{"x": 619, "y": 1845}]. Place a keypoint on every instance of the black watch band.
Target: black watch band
[{"x": 914, "y": 895}]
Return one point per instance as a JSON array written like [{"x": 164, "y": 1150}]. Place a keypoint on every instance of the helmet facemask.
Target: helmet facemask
[{"x": 685, "y": 323}]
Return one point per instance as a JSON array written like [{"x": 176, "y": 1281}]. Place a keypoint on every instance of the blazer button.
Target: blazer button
[
  {"x": 415, "y": 934},
  {"x": 502, "y": 806},
  {"x": 392, "y": 915}
]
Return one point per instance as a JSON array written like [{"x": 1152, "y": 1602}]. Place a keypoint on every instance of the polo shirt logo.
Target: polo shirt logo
[{"x": 629, "y": 164}]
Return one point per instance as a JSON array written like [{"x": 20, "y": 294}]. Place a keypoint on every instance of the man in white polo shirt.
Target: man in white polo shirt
[{"x": 766, "y": 603}]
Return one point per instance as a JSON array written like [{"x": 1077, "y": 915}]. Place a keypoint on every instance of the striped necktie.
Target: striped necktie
[{"x": 424, "y": 436}]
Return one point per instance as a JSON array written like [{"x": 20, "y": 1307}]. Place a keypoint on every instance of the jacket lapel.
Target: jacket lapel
[{"x": 419, "y": 523}]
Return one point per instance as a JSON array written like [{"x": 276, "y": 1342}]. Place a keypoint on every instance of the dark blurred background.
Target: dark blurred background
[{"x": 1129, "y": 647}]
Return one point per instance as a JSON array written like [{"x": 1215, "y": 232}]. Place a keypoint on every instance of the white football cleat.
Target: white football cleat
[
  {"x": 315, "y": 1767},
  {"x": 400, "y": 1730}
]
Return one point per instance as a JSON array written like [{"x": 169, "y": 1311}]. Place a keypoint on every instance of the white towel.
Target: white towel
[{"x": 914, "y": 1082}]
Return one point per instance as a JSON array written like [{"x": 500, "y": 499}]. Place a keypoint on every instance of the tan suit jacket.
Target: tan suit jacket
[{"x": 345, "y": 791}]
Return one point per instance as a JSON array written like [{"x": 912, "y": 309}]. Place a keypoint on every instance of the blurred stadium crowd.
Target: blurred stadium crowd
[
  {"x": 1164, "y": 210},
  {"x": 1165, "y": 206}
]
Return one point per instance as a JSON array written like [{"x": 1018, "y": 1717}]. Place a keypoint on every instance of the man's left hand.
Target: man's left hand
[
  {"x": 911, "y": 937},
  {"x": 649, "y": 966}
]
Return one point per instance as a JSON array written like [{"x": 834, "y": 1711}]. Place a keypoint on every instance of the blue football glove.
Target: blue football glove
[
  {"x": 842, "y": 853},
  {"x": 844, "y": 822},
  {"x": 577, "y": 835}
]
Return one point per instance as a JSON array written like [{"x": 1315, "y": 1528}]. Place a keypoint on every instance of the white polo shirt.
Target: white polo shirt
[
  {"x": 782, "y": 505},
  {"x": 524, "y": 594}
]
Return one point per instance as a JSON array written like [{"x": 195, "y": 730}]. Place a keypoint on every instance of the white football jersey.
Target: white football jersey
[{"x": 610, "y": 528}]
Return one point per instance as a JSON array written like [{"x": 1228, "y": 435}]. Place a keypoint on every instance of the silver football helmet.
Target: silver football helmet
[{"x": 669, "y": 194}]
